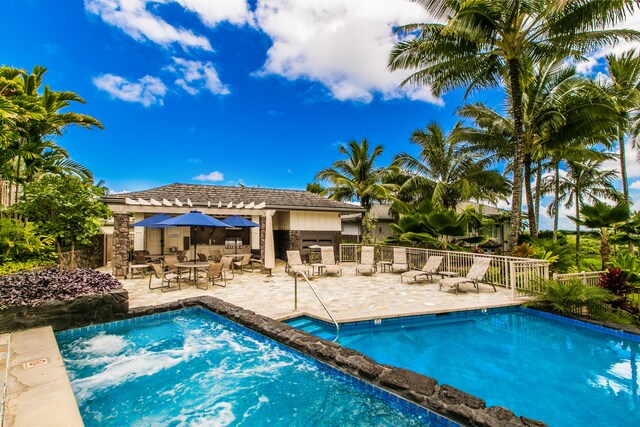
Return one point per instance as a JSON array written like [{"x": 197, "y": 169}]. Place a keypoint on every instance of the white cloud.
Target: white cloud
[
  {"x": 213, "y": 12},
  {"x": 343, "y": 45},
  {"x": 633, "y": 166},
  {"x": 212, "y": 176},
  {"x": 133, "y": 17},
  {"x": 635, "y": 185},
  {"x": 147, "y": 91},
  {"x": 196, "y": 75},
  {"x": 591, "y": 61}
]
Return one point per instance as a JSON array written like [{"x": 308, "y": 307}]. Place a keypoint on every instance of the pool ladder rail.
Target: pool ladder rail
[{"x": 326, "y": 309}]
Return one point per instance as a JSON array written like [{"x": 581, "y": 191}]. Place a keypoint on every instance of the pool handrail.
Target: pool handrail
[{"x": 306, "y": 279}]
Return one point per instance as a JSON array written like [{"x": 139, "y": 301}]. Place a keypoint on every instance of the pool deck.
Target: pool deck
[{"x": 349, "y": 297}]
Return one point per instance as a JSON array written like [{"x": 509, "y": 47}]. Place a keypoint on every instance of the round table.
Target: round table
[{"x": 192, "y": 266}]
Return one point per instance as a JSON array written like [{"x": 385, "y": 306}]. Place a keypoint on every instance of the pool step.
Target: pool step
[
  {"x": 301, "y": 323},
  {"x": 314, "y": 328}
]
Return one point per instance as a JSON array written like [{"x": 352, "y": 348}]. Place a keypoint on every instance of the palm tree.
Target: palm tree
[
  {"x": 624, "y": 86},
  {"x": 585, "y": 181},
  {"x": 358, "y": 178},
  {"x": 42, "y": 119},
  {"x": 560, "y": 109},
  {"x": 486, "y": 43},
  {"x": 603, "y": 216},
  {"x": 447, "y": 171}
]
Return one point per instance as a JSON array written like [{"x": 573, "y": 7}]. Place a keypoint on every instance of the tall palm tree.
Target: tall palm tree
[
  {"x": 560, "y": 108},
  {"x": 586, "y": 182},
  {"x": 357, "y": 177},
  {"x": 624, "y": 86},
  {"x": 486, "y": 43},
  {"x": 446, "y": 170}
]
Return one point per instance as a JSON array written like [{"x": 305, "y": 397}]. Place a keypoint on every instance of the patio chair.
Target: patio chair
[
  {"x": 227, "y": 265},
  {"x": 170, "y": 262},
  {"x": 255, "y": 260},
  {"x": 165, "y": 278},
  {"x": 215, "y": 271},
  {"x": 202, "y": 257},
  {"x": 215, "y": 255},
  {"x": 295, "y": 265},
  {"x": 243, "y": 262},
  {"x": 475, "y": 275},
  {"x": 399, "y": 260},
  {"x": 430, "y": 268},
  {"x": 367, "y": 263},
  {"x": 329, "y": 261},
  {"x": 182, "y": 256}
]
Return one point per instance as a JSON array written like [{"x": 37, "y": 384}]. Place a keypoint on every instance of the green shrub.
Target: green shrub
[{"x": 44, "y": 260}]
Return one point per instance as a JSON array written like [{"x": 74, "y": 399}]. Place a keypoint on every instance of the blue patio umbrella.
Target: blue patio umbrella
[
  {"x": 152, "y": 222},
  {"x": 239, "y": 222},
  {"x": 193, "y": 219}
]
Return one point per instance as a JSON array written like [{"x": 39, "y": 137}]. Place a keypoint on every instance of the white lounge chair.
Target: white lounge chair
[
  {"x": 329, "y": 261},
  {"x": 367, "y": 263},
  {"x": 295, "y": 265},
  {"x": 475, "y": 275},
  {"x": 430, "y": 268},
  {"x": 399, "y": 260}
]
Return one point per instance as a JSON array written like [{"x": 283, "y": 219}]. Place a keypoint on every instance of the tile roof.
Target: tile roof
[{"x": 273, "y": 198}]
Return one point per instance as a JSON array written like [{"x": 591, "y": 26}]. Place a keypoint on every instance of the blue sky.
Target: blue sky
[{"x": 225, "y": 91}]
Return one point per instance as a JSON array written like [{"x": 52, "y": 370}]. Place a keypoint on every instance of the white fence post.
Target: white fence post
[{"x": 512, "y": 277}]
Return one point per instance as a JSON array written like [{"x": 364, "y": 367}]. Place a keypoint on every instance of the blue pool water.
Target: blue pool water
[
  {"x": 195, "y": 368},
  {"x": 565, "y": 374}
]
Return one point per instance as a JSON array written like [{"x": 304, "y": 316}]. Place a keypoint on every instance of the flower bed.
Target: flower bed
[
  {"x": 61, "y": 300},
  {"x": 34, "y": 288}
]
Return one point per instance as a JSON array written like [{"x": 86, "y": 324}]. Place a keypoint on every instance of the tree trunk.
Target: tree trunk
[
  {"x": 59, "y": 252},
  {"x": 73, "y": 254},
  {"x": 556, "y": 202},
  {"x": 623, "y": 165},
  {"x": 577, "y": 228},
  {"x": 536, "y": 196},
  {"x": 531, "y": 215},
  {"x": 516, "y": 199},
  {"x": 605, "y": 249}
]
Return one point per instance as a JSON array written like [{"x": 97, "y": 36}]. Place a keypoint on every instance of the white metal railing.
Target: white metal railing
[
  {"x": 591, "y": 278},
  {"x": 517, "y": 274},
  {"x": 326, "y": 309}
]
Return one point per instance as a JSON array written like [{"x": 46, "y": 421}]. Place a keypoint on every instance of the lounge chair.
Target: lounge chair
[
  {"x": 164, "y": 276},
  {"x": 430, "y": 268},
  {"x": 367, "y": 263},
  {"x": 215, "y": 255},
  {"x": 243, "y": 262},
  {"x": 399, "y": 260},
  {"x": 329, "y": 261},
  {"x": 202, "y": 257},
  {"x": 295, "y": 265},
  {"x": 475, "y": 275}
]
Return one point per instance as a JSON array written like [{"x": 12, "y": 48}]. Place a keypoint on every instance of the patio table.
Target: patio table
[{"x": 191, "y": 266}]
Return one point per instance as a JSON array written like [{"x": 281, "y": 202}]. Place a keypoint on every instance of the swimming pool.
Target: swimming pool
[
  {"x": 192, "y": 367},
  {"x": 566, "y": 373}
]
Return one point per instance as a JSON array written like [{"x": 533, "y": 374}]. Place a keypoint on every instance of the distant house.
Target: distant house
[
  {"x": 498, "y": 233},
  {"x": 300, "y": 219}
]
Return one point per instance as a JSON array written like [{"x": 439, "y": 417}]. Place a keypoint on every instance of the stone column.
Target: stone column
[
  {"x": 263, "y": 234},
  {"x": 120, "y": 256}
]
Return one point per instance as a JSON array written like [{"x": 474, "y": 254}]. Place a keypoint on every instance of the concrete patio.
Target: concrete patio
[{"x": 349, "y": 297}]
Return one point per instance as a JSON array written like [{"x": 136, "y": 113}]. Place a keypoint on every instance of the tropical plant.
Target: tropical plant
[
  {"x": 585, "y": 182},
  {"x": 630, "y": 264},
  {"x": 447, "y": 171},
  {"x": 602, "y": 216},
  {"x": 623, "y": 84},
  {"x": 66, "y": 209},
  {"x": 357, "y": 177},
  {"x": 483, "y": 44},
  {"x": 560, "y": 250},
  {"x": 433, "y": 225},
  {"x": 21, "y": 239},
  {"x": 571, "y": 297},
  {"x": 314, "y": 187},
  {"x": 28, "y": 148},
  {"x": 616, "y": 282}
]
